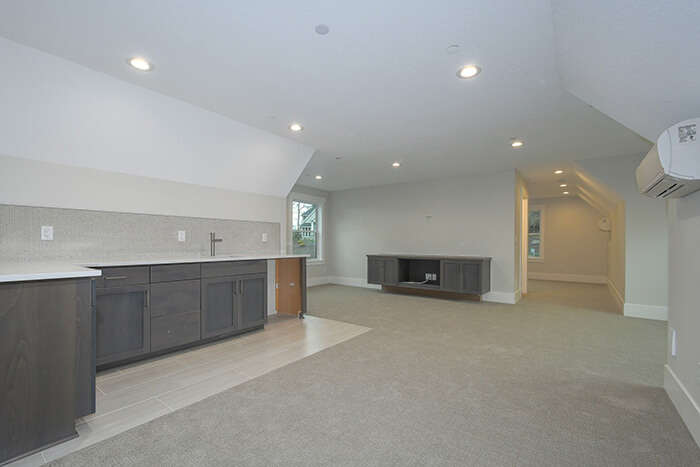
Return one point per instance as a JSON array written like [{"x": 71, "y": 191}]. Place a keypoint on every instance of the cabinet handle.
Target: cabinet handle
[
  {"x": 148, "y": 299},
  {"x": 235, "y": 287},
  {"x": 115, "y": 278},
  {"x": 241, "y": 284}
]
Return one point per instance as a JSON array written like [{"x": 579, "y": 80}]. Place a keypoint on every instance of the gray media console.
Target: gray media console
[{"x": 449, "y": 275}]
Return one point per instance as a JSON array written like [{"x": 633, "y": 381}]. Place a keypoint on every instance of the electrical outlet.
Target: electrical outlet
[
  {"x": 47, "y": 232},
  {"x": 264, "y": 237},
  {"x": 181, "y": 236},
  {"x": 427, "y": 276},
  {"x": 434, "y": 277}
]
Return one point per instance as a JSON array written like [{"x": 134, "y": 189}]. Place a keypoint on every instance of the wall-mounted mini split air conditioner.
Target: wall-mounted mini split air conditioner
[{"x": 671, "y": 169}]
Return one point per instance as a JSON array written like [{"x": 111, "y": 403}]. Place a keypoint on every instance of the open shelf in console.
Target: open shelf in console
[{"x": 419, "y": 273}]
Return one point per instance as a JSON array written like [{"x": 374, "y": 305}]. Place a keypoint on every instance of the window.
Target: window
[
  {"x": 535, "y": 233},
  {"x": 306, "y": 222}
]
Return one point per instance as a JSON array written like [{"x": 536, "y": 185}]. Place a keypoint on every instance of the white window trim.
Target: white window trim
[
  {"x": 541, "y": 208},
  {"x": 320, "y": 202}
]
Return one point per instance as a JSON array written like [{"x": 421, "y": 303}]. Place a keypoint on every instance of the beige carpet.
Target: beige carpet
[{"x": 438, "y": 382}]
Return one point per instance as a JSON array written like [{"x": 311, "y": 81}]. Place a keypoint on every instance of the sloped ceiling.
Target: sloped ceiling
[
  {"x": 380, "y": 87},
  {"x": 637, "y": 61}
]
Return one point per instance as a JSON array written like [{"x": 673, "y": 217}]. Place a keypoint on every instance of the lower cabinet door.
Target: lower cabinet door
[
  {"x": 218, "y": 297},
  {"x": 123, "y": 323},
  {"x": 252, "y": 300},
  {"x": 174, "y": 330}
]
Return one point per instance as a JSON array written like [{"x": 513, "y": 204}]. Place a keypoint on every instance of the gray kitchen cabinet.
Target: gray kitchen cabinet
[
  {"x": 46, "y": 374},
  {"x": 175, "y": 305},
  {"x": 252, "y": 298},
  {"x": 233, "y": 303},
  {"x": 123, "y": 323},
  {"x": 382, "y": 270},
  {"x": 123, "y": 315},
  {"x": 218, "y": 303}
]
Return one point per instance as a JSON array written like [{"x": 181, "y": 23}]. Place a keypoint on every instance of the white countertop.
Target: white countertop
[{"x": 43, "y": 270}]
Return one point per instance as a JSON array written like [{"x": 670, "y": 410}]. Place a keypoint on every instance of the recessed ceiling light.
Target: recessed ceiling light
[
  {"x": 516, "y": 144},
  {"x": 396, "y": 164},
  {"x": 296, "y": 127},
  {"x": 562, "y": 185},
  {"x": 318, "y": 177},
  {"x": 565, "y": 193},
  {"x": 452, "y": 49},
  {"x": 322, "y": 29},
  {"x": 468, "y": 71},
  {"x": 558, "y": 172},
  {"x": 140, "y": 64}
]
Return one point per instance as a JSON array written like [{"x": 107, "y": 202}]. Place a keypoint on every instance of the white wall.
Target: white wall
[
  {"x": 472, "y": 215},
  {"x": 33, "y": 183},
  {"x": 681, "y": 379},
  {"x": 56, "y": 111},
  {"x": 574, "y": 247},
  {"x": 646, "y": 239}
]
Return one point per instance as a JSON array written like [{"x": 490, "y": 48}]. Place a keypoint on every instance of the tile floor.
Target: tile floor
[{"x": 134, "y": 394}]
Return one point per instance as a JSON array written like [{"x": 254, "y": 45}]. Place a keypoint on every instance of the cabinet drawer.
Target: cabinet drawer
[
  {"x": 121, "y": 276},
  {"x": 174, "y": 272},
  {"x": 168, "y": 298},
  {"x": 232, "y": 268},
  {"x": 173, "y": 330}
]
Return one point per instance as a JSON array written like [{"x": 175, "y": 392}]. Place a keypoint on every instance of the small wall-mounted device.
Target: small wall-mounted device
[{"x": 604, "y": 224}]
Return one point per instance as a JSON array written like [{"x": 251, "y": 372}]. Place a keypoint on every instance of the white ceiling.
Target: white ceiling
[{"x": 380, "y": 86}]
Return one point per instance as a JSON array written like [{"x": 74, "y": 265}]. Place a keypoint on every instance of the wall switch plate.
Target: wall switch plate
[
  {"x": 180, "y": 235},
  {"x": 264, "y": 237},
  {"x": 47, "y": 232}
]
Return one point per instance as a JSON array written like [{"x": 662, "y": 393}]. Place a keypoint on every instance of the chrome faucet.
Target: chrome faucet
[{"x": 214, "y": 241}]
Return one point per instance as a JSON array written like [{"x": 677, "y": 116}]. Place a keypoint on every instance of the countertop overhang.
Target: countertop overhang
[{"x": 21, "y": 271}]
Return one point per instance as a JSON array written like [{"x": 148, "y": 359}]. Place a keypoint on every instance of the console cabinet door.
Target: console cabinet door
[
  {"x": 252, "y": 301},
  {"x": 374, "y": 270},
  {"x": 219, "y": 295},
  {"x": 471, "y": 278},
  {"x": 123, "y": 323},
  {"x": 451, "y": 276},
  {"x": 384, "y": 271}
]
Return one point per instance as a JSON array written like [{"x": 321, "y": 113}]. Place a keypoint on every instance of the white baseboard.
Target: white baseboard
[
  {"x": 317, "y": 281},
  {"x": 518, "y": 295},
  {"x": 686, "y": 406},
  {"x": 352, "y": 282},
  {"x": 547, "y": 276},
  {"x": 635, "y": 310},
  {"x": 499, "y": 297},
  {"x": 616, "y": 295}
]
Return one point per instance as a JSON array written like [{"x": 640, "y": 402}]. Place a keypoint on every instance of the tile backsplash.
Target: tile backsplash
[{"x": 94, "y": 235}]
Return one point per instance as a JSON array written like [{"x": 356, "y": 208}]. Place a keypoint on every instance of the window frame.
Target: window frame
[
  {"x": 541, "y": 209},
  {"x": 320, "y": 206}
]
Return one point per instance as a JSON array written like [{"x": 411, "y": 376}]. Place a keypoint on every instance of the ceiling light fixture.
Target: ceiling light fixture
[
  {"x": 565, "y": 193},
  {"x": 140, "y": 64},
  {"x": 396, "y": 164},
  {"x": 468, "y": 71},
  {"x": 296, "y": 127},
  {"x": 318, "y": 177},
  {"x": 516, "y": 144},
  {"x": 558, "y": 172},
  {"x": 322, "y": 29},
  {"x": 562, "y": 185}
]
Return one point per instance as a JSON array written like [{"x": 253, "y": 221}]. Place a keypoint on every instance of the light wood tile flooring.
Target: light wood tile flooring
[{"x": 134, "y": 394}]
